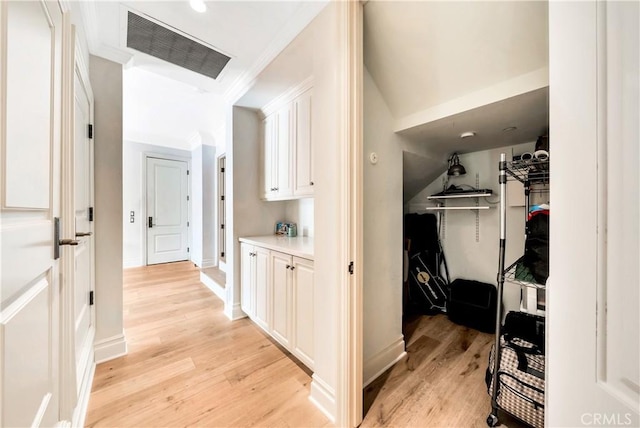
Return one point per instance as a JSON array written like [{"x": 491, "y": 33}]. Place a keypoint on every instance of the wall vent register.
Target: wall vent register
[{"x": 153, "y": 39}]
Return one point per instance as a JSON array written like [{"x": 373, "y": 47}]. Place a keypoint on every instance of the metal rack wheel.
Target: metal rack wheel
[{"x": 492, "y": 420}]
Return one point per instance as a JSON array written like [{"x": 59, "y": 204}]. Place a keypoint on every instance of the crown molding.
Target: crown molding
[
  {"x": 305, "y": 14},
  {"x": 286, "y": 97}
]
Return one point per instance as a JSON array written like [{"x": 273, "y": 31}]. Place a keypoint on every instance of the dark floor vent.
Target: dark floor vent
[{"x": 158, "y": 41}]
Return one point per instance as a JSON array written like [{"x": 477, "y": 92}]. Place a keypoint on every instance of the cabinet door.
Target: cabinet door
[
  {"x": 262, "y": 294},
  {"x": 284, "y": 184},
  {"x": 302, "y": 146},
  {"x": 247, "y": 278},
  {"x": 269, "y": 157},
  {"x": 302, "y": 306},
  {"x": 281, "y": 285}
]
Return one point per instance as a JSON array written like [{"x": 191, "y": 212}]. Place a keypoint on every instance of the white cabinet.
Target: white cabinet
[
  {"x": 302, "y": 147},
  {"x": 292, "y": 322},
  {"x": 254, "y": 283},
  {"x": 277, "y": 293},
  {"x": 287, "y": 151},
  {"x": 281, "y": 286},
  {"x": 277, "y": 177},
  {"x": 302, "y": 309}
]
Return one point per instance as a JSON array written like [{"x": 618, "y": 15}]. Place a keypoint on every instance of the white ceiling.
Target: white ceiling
[
  {"x": 448, "y": 67},
  {"x": 252, "y": 33},
  {"x": 171, "y": 106}
]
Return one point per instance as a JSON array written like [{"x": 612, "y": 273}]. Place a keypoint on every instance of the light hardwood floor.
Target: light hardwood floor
[
  {"x": 440, "y": 383},
  {"x": 188, "y": 365}
]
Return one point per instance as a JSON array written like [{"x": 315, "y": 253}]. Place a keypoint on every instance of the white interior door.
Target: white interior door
[
  {"x": 30, "y": 129},
  {"x": 593, "y": 295},
  {"x": 84, "y": 269},
  {"x": 167, "y": 211}
]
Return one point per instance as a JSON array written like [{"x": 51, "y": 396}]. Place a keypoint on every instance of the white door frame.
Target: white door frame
[
  {"x": 350, "y": 334},
  {"x": 143, "y": 209},
  {"x": 221, "y": 214}
]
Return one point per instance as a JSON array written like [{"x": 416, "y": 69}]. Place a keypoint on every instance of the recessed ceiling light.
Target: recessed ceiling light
[
  {"x": 509, "y": 129},
  {"x": 198, "y": 5},
  {"x": 467, "y": 134}
]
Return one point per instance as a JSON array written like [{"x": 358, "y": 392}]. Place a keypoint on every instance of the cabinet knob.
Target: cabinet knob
[
  {"x": 311, "y": 183},
  {"x": 288, "y": 267},
  {"x": 292, "y": 267}
]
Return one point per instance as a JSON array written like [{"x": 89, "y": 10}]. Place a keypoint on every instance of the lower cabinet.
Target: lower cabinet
[
  {"x": 277, "y": 293},
  {"x": 302, "y": 310},
  {"x": 254, "y": 283}
]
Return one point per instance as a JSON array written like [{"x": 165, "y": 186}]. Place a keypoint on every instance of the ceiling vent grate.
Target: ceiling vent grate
[{"x": 158, "y": 41}]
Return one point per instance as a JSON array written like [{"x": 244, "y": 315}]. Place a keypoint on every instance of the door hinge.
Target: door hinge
[
  {"x": 351, "y": 268},
  {"x": 91, "y": 299},
  {"x": 187, "y": 249},
  {"x": 187, "y": 172},
  {"x": 187, "y": 197},
  {"x": 222, "y": 198},
  {"x": 187, "y": 224},
  {"x": 90, "y": 130},
  {"x": 90, "y": 213},
  {"x": 222, "y": 226},
  {"x": 222, "y": 254},
  {"x": 221, "y": 169}
]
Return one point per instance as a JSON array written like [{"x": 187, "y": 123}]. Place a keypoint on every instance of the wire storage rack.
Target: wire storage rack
[{"x": 534, "y": 175}]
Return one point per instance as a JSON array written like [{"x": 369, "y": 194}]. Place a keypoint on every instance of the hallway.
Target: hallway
[{"x": 189, "y": 365}]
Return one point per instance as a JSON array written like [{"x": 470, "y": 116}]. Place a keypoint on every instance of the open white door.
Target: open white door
[
  {"x": 593, "y": 295},
  {"x": 30, "y": 129},
  {"x": 84, "y": 258},
  {"x": 167, "y": 211}
]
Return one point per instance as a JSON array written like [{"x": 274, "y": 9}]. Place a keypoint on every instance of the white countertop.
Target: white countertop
[{"x": 300, "y": 246}]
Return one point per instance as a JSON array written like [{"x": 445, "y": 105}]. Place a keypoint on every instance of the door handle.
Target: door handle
[
  {"x": 68, "y": 242},
  {"x": 57, "y": 242},
  {"x": 81, "y": 234},
  {"x": 150, "y": 222}
]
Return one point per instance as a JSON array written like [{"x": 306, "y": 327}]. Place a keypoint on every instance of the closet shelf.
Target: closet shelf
[
  {"x": 455, "y": 208},
  {"x": 510, "y": 275},
  {"x": 460, "y": 196},
  {"x": 533, "y": 170}
]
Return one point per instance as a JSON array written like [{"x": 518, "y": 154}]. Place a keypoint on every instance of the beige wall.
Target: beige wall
[{"x": 106, "y": 81}]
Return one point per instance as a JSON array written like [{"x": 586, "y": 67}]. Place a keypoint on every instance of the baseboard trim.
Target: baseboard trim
[
  {"x": 323, "y": 397},
  {"x": 213, "y": 286},
  {"x": 234, "y": 312},
  {"x": 80, "y": 412},
  {"x": 131, "y": 263},
  {"x": 383, "y": 360},
  {"x": 207, "y": 263},
  {"x": 110, "y": 348}
]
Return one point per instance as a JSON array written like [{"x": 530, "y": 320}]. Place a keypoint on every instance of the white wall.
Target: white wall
[
  {"x": 383, "y": 230},
  {"x": 467, "y": 258},
  {"x": 134, "y": 197},
  {"x": 300, "y": 211},
  {"x": 167, "y": 112},
  {"x": 203, "y": 206},
  {"x": 209, "y": 207},
  {"x": 106, "y": 82}
]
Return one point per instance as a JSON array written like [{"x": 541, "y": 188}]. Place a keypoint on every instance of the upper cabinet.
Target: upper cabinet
[
  {"x": 302, "y": 148},
  {"x": 287, "y": 149}
]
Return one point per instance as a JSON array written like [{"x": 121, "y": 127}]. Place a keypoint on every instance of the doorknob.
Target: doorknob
[
  {"x": 150, "y": 222},
  {"x": 81, "y": 234}
]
